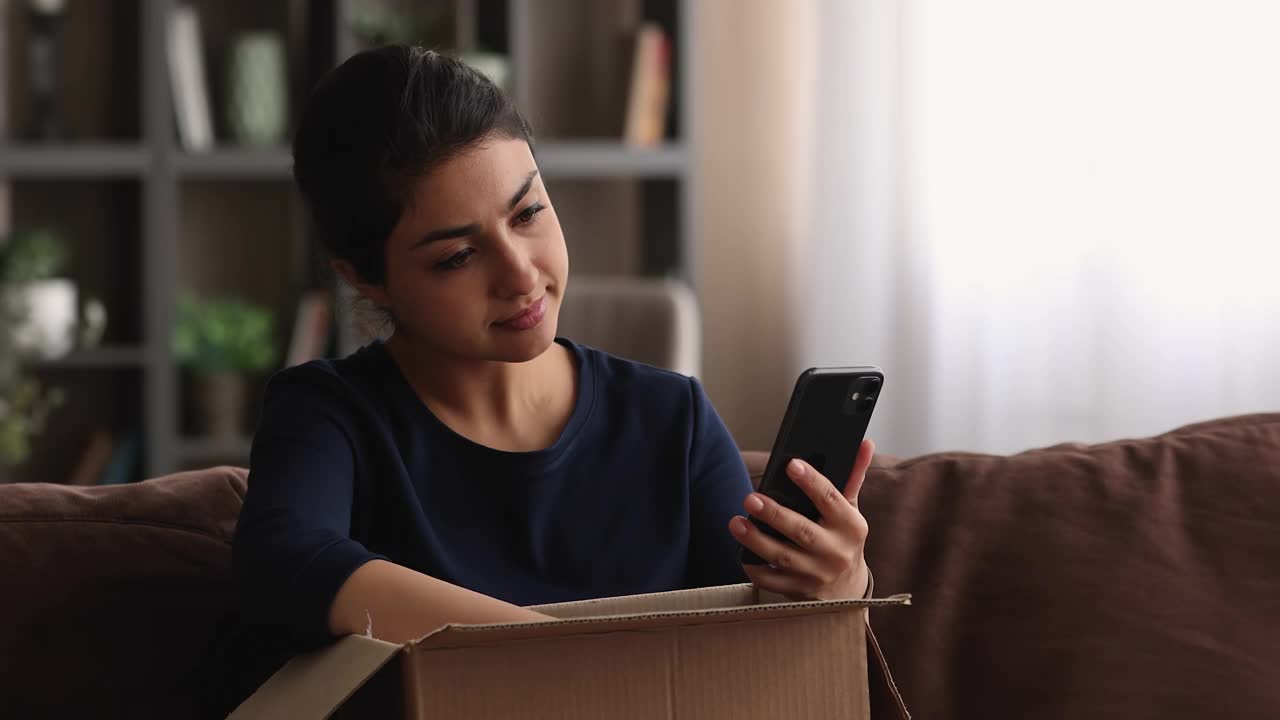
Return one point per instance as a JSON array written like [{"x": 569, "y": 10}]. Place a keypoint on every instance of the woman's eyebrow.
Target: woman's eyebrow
[
  {"x": 524, "y": 188},
  {"x": 465, "y": 230},
  {"x": 446, "y": 234}
]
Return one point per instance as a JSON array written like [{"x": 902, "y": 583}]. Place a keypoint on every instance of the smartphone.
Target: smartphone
[{"x": 824, "y": 425}]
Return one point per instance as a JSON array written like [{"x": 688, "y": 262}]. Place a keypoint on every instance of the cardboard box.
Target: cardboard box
[{"x": 707, "y": 653}]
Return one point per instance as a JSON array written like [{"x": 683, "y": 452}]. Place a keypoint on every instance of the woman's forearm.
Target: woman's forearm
[{"x": 400, "y": 604}]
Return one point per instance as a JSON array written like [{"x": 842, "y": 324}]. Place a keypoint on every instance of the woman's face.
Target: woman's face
[{"x": 478, "y": 245}]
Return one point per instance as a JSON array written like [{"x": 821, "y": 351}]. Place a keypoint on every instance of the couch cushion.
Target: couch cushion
[
  {"x": 1138, "y": 578},
  {"x": 114, "y": 597}
]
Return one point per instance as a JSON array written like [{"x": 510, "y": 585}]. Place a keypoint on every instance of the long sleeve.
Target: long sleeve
[
  {"x": 719, "y": 483},
  {"x": 292, "y": 549}
]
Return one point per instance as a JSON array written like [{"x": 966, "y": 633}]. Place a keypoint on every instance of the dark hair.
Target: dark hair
[{"x": 374, "y": 124}]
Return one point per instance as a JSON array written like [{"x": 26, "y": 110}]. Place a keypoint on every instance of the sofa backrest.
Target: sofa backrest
[
  {"x": 114, "y": 598},
  {"x": 1132, "y": 579}
]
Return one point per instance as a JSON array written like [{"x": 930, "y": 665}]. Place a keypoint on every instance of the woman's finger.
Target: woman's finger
[
  {"x": 805, "y": 533},
  {"x": 779, "y": 554},
  {"x": 777, "y": 581},
  {"x": 833, "y": 506}
]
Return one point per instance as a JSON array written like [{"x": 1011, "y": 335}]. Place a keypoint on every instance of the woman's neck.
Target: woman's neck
[{"x": 492, "y": 402}]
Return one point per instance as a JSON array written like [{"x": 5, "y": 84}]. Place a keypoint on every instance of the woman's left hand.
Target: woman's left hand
[{"x": 825, "y": 562}]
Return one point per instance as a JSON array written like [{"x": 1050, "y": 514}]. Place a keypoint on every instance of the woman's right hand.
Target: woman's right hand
[{"x": 393, "y": 603}]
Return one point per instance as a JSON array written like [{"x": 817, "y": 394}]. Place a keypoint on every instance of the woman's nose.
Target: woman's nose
[{"x": 517, "y": 272}]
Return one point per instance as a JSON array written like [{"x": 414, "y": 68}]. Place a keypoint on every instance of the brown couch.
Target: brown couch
[{"x": 1134, "y": 579}]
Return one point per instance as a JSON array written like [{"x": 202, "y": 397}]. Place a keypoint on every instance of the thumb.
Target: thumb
[{"x": 866, "y": 451}]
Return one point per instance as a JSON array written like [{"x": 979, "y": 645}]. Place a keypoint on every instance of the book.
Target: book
[
  {"x": 184, "y": 51},
  {"x": 311, "y": 328},
  {"x": 649, "y": 95},
  {"x": 124, "y": 460},
  {"x": 94, "y": 459}
]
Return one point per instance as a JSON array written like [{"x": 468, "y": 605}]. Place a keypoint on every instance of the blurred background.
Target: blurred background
[{"x": 1047, "y": 221}]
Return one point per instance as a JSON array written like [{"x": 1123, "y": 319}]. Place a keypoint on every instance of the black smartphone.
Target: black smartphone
[{"x": 824, "y": 425}]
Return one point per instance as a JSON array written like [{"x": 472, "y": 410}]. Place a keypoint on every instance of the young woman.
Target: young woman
[{"x": 474, "y": 462}]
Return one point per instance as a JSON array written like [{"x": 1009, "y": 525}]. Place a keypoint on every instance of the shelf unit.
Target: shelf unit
[
  {"x": 105, "y": 356},
  {"x": 558, "y": 159},
  {"x": 73, "y": 161},
  {"x": 200, "y": 216}
]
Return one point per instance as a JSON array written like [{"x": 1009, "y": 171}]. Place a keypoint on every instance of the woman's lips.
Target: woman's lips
[{"x": 530, "y": 318}]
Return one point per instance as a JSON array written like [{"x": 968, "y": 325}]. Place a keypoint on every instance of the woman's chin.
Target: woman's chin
[{"x": 524, "y": 345}]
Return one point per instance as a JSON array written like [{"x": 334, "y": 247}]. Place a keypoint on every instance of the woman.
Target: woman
[{"x": 473, "y": 462}]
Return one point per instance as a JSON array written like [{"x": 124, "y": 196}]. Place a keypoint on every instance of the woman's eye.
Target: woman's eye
[
  {"x": 456, "y": 260},
  {"x": 527, "y": 216}
]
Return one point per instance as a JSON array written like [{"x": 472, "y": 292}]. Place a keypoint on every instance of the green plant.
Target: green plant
[
  {"x": 32, "y": 254},
  {"x": 223, "y": 335},
  {"x": 24, "y": 407},
  {"x": 403, "y": 23},
  {"x": 26, "y": 255}
]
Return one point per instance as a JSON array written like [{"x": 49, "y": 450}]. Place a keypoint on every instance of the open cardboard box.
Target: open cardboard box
[{"x": 706, "y": 653}]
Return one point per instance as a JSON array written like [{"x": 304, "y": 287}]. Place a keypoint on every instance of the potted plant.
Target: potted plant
[
  {"x": 38, "y": 321},
  {"x": 25, "y": 405},
  {"x": 430, "y": 25},
  {"x": 222, "y": 341},
  {"x": 40, "y": 306},
  {"x": 401, "y": 21}
]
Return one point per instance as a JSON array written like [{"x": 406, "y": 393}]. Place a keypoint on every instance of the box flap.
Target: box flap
[
  {"x": 460, "y": 636},
  {"x": 315, "y": 684},
  {"x": 886, "y": 700},
  {"x": 697, "y": 599},
  {"x": 723, "y": 596}
]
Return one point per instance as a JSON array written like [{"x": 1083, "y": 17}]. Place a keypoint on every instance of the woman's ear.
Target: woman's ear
[{"x": 375, "y": 293}]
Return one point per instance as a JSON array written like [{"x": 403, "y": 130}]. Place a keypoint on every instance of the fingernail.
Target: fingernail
[
  {"x": 754, "y": 504},
  {"x": 738, "y": 527},
  {"x": 795, "y": 468}
]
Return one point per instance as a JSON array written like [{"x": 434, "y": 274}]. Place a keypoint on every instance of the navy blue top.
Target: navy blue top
[{"x": 349, "y": 465}]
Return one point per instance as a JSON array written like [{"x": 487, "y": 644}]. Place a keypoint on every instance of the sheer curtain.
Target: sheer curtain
[{"x": 1047, "y": 220}]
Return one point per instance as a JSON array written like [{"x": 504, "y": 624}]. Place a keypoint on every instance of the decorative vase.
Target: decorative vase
[
  {"x": 257, "y": 89},
  {"x": 221, "y": 403},
  {"x": 46, "y": 317},
  {"x": 44, "y": 30}
]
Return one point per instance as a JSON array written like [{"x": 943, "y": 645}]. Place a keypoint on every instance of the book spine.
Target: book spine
[
  {"x": 649, "y": 91},
  {"x": 93, "y": 461},
  {"x": 124, "y": 459},
  {"x": 187, "y": 79}
]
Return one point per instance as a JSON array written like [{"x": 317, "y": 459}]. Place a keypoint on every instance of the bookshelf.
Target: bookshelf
[
  {"x": 146, "y": 219},
  {"x": 75, "y": 161},
  {"x": 103, "y": 356},
  {"x": 583, "y": 159}
]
